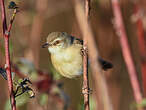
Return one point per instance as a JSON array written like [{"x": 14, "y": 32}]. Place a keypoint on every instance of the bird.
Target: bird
[{"x": 66, "y": 55}]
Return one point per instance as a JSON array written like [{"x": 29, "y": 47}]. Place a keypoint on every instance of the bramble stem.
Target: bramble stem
[{"x": 6, "y": 34}]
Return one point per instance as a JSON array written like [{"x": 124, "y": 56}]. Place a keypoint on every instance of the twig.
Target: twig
[
  {"x": 7, "y": 55},
  {"x": 119, "y": 26},
  {"x": 142, "y": 43},
  {"x": 12, "y": 20},
  {"x": 86, "y": 89},
  {"x": 98, "y": 77}
]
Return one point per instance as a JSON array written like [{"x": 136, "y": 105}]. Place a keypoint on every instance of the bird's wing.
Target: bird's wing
[
  {"x": 104, "y": 64},
  {"x": 75, "y": 40}
]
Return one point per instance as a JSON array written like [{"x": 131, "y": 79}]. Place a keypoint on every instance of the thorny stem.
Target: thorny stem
[
  {"x": 119, "y": 26},
  {"x": 7, "y": 54},
  {"x": 86, "y": 89}
]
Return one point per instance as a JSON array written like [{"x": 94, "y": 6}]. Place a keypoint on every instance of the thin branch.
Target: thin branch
[
  {"x": 86, "y": 89},
  {"x": 98, "y": 77},
  {"x": 12, "y": 20},
  {"x": 119, "y": 26},
  {"x": 7, "y": 55}
]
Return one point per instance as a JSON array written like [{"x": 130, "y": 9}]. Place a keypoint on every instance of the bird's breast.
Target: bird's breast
[{"x": 68, "y": 62}]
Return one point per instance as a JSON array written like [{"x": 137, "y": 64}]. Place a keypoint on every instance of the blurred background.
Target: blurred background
[{"x": 35, "y": 20}]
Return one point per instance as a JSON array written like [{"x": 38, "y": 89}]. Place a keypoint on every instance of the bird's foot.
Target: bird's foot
[
  {"x": 84, "y": 51},
  {"x": 86, "y": 91}
]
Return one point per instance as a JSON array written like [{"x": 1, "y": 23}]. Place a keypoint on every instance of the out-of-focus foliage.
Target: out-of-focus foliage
[
  {"x": 135, "y": 105},
  {"x": 92, "y": 104},
  {"x": 27, "y": 68},
  {"x": 43, "y": 100}
]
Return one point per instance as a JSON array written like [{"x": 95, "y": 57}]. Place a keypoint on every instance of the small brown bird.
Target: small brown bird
[{"x": 66, "y": 54}]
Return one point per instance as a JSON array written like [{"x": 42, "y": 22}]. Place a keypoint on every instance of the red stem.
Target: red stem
[
  {"x": 7, "y": 56},
  {"x": 126, "y": 50},
  {"x": 142, "y": 45},
  {"x": 9, "y": 76},
  {"x": 4, "y": 23}
]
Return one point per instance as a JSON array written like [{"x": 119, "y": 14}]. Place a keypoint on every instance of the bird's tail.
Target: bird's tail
[{"x": 105, "y": 64}]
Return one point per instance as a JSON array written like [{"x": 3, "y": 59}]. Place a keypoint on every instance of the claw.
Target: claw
[{"x": 83, "y": 50}]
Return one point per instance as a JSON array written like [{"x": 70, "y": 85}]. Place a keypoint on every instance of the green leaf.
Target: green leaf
[{"x": 43, "y": 100}]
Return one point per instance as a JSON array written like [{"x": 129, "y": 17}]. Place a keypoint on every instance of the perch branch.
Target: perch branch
[
  {"x": 86, "y": 89},
  {"x": 98, "y": 77},
  {"x": 119, "y": 26}
]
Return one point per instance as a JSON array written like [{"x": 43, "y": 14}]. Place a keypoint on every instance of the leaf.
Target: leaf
[{"x": 20, "y": 100}]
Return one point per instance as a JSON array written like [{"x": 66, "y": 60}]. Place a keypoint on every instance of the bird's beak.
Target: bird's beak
[{"x": 45, "y": 45}]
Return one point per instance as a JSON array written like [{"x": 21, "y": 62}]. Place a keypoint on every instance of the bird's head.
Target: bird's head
[{"x": 57, "y": 41}]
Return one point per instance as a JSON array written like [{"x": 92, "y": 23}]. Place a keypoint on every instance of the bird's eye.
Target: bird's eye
[{"x": 57, "y": 42}]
